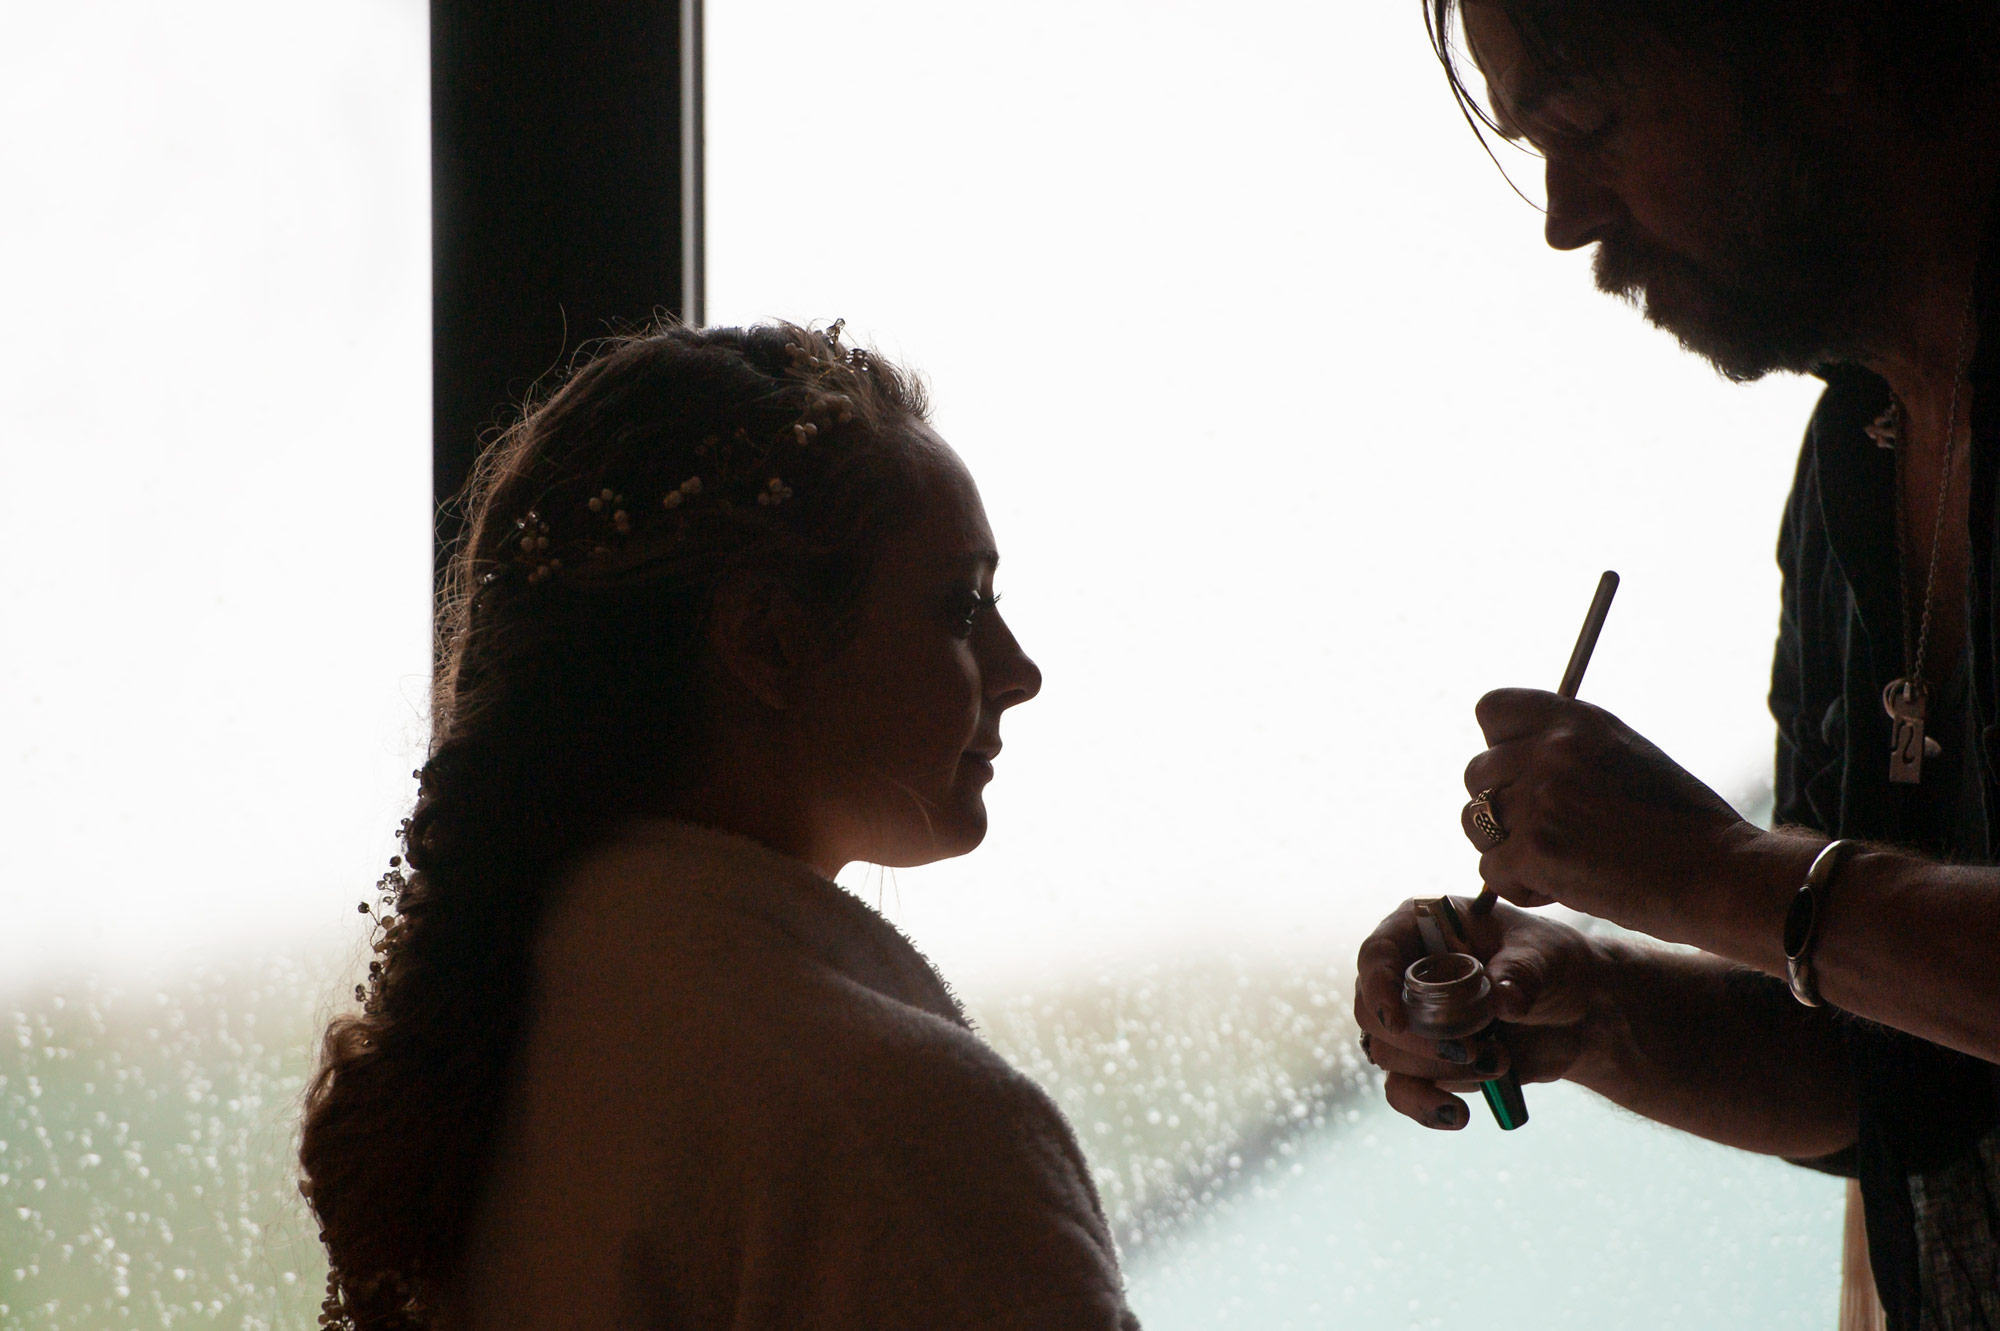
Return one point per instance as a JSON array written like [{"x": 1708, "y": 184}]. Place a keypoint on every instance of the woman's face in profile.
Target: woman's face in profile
[{"x": 903, "y": 722}]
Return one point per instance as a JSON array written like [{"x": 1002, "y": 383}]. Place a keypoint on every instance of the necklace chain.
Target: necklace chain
[{"x": 1944, "y": 492}]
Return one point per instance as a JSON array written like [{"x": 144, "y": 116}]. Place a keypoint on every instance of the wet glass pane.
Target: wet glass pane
[
  {"x": 1296, "y": 440},
  {"x": 216, "y": 362}
]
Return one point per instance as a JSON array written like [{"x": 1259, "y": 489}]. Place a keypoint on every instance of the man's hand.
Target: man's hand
[
  {"x": 1545, "y": 979},
  {"x": 1688, "y": 1040},
  {"x": 1602, "y": 821}
]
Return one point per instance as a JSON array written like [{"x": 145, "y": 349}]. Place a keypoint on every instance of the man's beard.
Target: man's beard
[{"x": 1797, "y": 274}]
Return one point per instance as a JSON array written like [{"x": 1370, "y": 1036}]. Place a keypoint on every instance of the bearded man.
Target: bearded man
[{"x": 1803, "y": 186}]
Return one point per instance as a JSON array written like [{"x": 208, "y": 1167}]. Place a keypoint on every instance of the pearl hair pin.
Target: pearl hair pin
[
  {"x": 534, "y": 547},
  {"x": 726, "y": 460}
]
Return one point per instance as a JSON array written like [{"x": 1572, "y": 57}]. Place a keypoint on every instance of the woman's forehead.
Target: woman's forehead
[{"x": 951, "y": 518}]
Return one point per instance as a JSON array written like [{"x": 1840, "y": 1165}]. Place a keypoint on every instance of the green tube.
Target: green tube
[
  {"x": 1504, "y": 1098},
  {"x": 1503, "y": 1094}
]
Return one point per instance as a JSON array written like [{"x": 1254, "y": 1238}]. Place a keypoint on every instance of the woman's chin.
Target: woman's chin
[{"x": 955, "y": 829}]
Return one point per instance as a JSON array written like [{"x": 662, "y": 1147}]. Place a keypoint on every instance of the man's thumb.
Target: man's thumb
[{"x": 1518, "y": 980}]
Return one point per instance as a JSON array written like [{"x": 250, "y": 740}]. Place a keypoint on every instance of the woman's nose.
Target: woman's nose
[
  {"x": 1012, "y": 675},
  {"x": 1581, "y": 209}
]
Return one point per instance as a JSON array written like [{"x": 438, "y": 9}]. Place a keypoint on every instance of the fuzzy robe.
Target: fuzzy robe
[{"x": 745, "y": 1101}]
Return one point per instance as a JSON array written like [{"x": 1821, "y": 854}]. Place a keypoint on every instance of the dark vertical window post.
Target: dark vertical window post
[{"x": 565, "y": 197}]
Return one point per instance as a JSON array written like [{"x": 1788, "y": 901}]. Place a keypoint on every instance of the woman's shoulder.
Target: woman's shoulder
[
  {"x": 685, "y": 928},
  {"x": 740, "y": 1009},
  {"x": 711, "y": 1080},
  {"x": 673, "y": 954},
  {"x": 868, "y": 1058}
]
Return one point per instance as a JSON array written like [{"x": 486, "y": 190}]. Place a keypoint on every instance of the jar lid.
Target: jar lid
[{"x": 1446, "y": 996}]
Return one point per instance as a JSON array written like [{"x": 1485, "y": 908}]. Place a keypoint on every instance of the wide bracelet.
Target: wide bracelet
[{"x": 1802, "y": 922}]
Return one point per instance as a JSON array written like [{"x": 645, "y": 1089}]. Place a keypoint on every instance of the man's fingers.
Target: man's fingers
[
  {"x": 1425, "y": 1102},
  {"x": 1495, "y": 774},
  {"x": 1494, "y": 768},
  {"x": 1535, "y": 985},
  {"x": 1378, "y": 980},
  {"x": 1496, "y": 809},
  {"x": 1496, "y": 872},
  {"x": 1459, "y": 1068},
  {"x": 1507, "y": 714}
]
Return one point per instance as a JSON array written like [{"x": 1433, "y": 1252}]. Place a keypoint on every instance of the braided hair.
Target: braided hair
[{"x": 568, "y": 696}]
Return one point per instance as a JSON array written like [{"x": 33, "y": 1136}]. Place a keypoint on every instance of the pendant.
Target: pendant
[
  {"x": 1905, "y": 703},
  {"x": 1887, "y": 431}
]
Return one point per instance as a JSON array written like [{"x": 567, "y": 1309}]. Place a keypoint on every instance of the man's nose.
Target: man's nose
[{"x": 1581, "y": 209}]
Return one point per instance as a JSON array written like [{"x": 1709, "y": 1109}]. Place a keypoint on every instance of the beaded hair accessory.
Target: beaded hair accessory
[
  {"x": 729, "y": 466},
  {"x": 386, "y": 926}
]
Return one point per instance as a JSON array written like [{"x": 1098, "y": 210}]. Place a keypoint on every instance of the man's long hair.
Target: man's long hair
[{"x": 1932, "y": 54}]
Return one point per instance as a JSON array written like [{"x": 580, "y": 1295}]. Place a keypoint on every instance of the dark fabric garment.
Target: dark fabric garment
[{"x": 1928, "y": 1149}]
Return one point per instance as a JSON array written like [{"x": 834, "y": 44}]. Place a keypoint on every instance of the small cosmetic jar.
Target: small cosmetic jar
[{"x": 1446, "y": 996}]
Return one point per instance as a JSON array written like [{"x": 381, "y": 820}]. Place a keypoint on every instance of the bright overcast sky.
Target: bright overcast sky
[{"x": 1295, "y": 437}]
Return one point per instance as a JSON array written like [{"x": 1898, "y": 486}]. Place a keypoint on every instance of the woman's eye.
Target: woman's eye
[{"x": 968, "y": 612}]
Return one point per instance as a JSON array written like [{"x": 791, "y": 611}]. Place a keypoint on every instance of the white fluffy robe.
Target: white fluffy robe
[{"x": 745, "y": 1101}]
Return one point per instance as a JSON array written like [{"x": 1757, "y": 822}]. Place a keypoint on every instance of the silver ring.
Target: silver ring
[{"x": 1483, "y": 819}]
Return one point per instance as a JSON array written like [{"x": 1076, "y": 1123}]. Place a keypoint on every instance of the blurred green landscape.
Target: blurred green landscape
[
  {"x": 146, "y": 1147},
  {"x": 148, "y": 1135}
]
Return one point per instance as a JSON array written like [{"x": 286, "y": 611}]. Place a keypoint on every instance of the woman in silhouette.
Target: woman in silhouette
[{"x": 722, "y": 623}]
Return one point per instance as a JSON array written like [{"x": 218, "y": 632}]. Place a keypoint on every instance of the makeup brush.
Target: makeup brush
[{"x": 1572, "y": 680}]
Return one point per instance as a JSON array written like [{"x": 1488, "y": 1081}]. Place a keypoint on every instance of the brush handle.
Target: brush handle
[
  {"x": 1586, "y": 640},
  {"x": 1572, "y": 680}
]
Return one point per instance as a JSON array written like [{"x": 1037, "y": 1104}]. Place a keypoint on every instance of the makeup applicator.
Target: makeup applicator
[
  {"x": 1447, "y": 993},
  {"x": 1572, "y": 680}
]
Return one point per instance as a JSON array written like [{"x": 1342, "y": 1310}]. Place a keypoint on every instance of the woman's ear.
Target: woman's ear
[{"x": 758, "y": 634}]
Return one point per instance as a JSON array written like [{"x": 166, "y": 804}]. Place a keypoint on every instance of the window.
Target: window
[
  {"x": 216, "y": 365},
  {"x": 1296, "y": 441}
]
